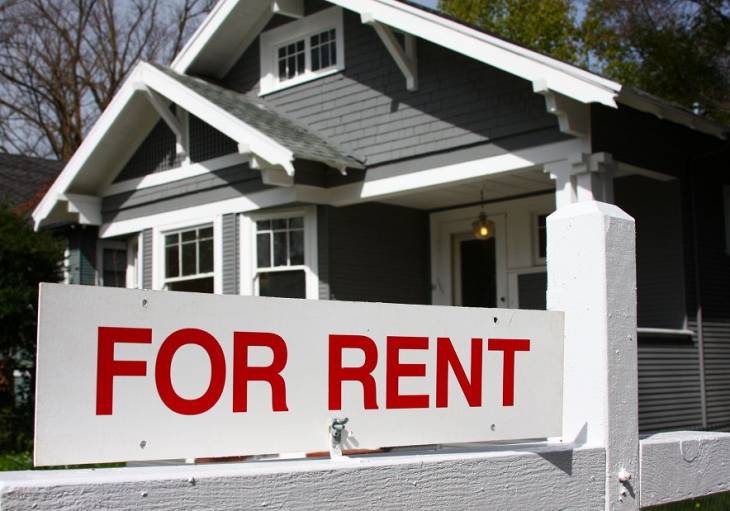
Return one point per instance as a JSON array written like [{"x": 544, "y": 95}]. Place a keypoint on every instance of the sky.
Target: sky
[{"x": 427, "y": 3}]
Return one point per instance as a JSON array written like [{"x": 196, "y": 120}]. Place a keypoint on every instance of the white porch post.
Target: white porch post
[
  {"x": 592, "y": 278},
  {"x": 582, "y": 177}
]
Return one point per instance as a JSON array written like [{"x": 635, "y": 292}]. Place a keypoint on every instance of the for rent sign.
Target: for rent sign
[{"x": 141, "y": 375}]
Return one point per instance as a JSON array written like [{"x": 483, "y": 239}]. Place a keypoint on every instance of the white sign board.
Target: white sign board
[{"x": 144, "y": 375}]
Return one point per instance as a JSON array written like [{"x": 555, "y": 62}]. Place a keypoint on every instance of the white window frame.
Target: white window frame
[
  {"x": 272, "y": 40},
  {"x": 248, "y": 266},
  {"x": 536, "y": 259},
  {"x": 159, "y": 281}
]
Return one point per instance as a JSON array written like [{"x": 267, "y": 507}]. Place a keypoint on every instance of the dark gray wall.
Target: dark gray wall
[
  {"x": 231, "y": 240},
  {"x": 657, "y": 208},
  {"x": 82, "y": 241},
  {"x": 367, "y": 111},
  {"x": 373, "y": 252},
  {"x": 203, "y": 189}
]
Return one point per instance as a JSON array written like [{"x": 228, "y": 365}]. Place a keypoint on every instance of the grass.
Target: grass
[
  {"x": 719, "y": 502},
  {"x": 24, "y": 461}
]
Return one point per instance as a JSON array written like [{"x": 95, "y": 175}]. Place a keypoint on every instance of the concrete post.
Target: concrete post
[{"x": 591, "y": 263}]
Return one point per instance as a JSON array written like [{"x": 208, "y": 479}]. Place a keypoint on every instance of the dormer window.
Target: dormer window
[{"x": 302, "y": 50}]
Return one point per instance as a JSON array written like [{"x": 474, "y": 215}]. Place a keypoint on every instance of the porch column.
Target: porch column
[{"x": 582, "y": 177}]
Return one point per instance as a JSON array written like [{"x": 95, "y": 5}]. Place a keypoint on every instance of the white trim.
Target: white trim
[
  {"x": 403, "y": 55},
  {"x": 134, "y": 262},
  {"x": 151, "y": 77},
  {"x": 247, "y": 252},
  {"x": 377, "y": 185},
  {"x": 294, "y": 31},
  {"x": 176, "y": 174},
  {"x": 669, "y": 332}
]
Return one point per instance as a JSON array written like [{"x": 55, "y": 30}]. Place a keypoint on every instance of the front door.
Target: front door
[{"x": 475, "y": 271}]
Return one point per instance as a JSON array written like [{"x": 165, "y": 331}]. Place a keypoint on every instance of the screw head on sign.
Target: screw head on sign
[{"x": 624, "y": 475}]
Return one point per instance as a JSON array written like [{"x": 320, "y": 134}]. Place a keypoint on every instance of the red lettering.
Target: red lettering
[
  {"x": 163, "y": 378},
  {"x": 363, "y": 374},
  {"x": 242, "y": 373},
  {"x": 107, "y": 368},
  {"x": 396, "y": 370},
  {"x": 446, "y": 356},
  {"x": 509, "y": 346}
]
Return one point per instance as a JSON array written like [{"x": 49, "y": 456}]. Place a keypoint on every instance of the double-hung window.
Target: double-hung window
[
  {"x": 302, "y": 50},
  {"x": 189, "y": 260},
  {"x": 279, "y": 254},
  {"x": 280, "y": 257}
]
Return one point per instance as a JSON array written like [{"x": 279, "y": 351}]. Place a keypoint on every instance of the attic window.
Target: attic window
[{"x": 302, "y": 50}]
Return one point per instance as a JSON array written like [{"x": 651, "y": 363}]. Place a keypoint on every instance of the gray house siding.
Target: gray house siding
[
  {"x": 659, "y": 248},
  {"x": 230, "y": 254},
  {"x": 714, "y": 282},
  {"x": 147, "y": 259},
  {"x": 669, "y": 375},
  {"x": 82, "y": 255},
  {"x": 367, "y": 111},
  {"x": 373, "y": 252},
  {"x": 211, "y": 187}
]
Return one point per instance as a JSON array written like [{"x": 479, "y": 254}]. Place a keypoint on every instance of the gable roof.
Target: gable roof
[
  {"x": 263, "y": 117},
  {"x": 217, "y": 44},
  {"x": 24, "y": 179},
  {"x": 255, "y": 125}
]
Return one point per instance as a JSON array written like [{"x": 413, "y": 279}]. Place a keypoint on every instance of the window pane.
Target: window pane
[
  {"x": 284, "y": 284},
  {"x": 188, "y": 235},
  {"x": 282, "y": 53},
  {"x": 263, "y": 250},
  {"x": 279, "y": 224},
  {"x": 172, "y": 264},
  {"x": 296, "y": 247},
  {"x": 333, "y": 53},
  {"x": 171, "y": 239},
  {"x": 315, "y": 59},
  {"x": 300, "y": 46},
  {"x": 205, "y": 233},
  {"x": 114, "y": 267},
  {"x": 300, "y": 63},
  {"x": 280, "y": 252},
  {"x": 315, "y": 40},
  {"x": 325, "y": 57},
  {"x": 296, "y": 223},
  {"x": 282, "y": 68},
  {"x": 263, "y": 225},
  {"x": 206, "y": 256},
  {"x": 188, "y": 259},
  {"x": 204, "y": 285}
]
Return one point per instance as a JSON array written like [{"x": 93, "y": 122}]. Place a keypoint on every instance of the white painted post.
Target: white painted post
[{"x": 592, "y": 278}]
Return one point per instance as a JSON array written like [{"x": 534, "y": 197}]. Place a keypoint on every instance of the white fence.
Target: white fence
[{"x": 599, "y": 462}]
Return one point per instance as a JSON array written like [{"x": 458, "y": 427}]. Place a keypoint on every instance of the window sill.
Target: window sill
[{"x": 299, "y": 80}]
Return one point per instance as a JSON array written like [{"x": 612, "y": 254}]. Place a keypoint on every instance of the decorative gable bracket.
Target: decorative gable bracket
[
  {"x": 404, "y": 55},
  {"x": 176, "y": 123}
]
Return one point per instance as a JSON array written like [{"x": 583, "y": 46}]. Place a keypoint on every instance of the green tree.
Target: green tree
[
  {"x": 676, "y": 49},
  {"x": 26, "y": 258},
  {"x": 548, "y": 26}
]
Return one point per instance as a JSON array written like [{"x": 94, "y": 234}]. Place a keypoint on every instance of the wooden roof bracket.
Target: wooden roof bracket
[{"x": 404, "y": 55}]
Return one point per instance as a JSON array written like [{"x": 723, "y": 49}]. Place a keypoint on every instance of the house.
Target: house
[
  {"x": 345, "y": 149},
  {"x": 25, "y": 179}
]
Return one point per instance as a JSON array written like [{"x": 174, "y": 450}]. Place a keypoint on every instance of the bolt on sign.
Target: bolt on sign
[{"x": 129, "y": 375}]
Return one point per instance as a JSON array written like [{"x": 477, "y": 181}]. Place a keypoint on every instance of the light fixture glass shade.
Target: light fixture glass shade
[{"x": 482, "y": 228}]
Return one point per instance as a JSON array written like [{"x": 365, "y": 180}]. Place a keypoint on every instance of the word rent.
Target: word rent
[{"x": 469, "y": 375}]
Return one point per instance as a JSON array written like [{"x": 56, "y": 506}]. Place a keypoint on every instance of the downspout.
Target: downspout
[{"x": 698, "y": 297}]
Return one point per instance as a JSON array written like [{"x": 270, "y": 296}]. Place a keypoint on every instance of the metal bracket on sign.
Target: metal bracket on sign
[{"x": 336, "y": 432}]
